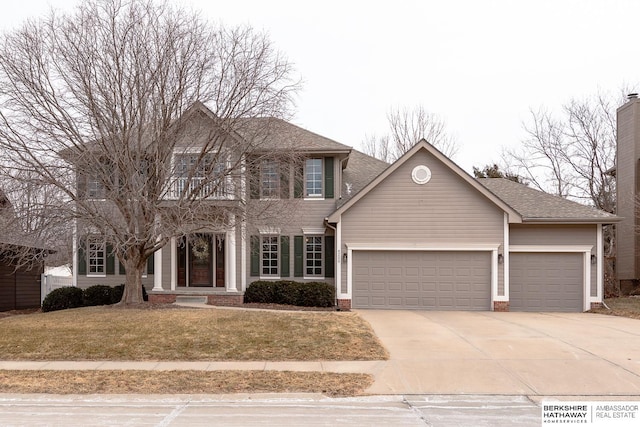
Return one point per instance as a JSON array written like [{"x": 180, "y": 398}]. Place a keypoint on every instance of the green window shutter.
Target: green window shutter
[
  {"x": 329, "y": 256},
  {"x": 82, "y": 257},
  {"x": 298, "y": 182},
  {"x": 328, "y": 177},
  {"x": 150, "y": 264},
  {"x": 111, "y": 267},
  {"x": 298, "y": 256},
  {"x": 284, "y": 256},
  {"x": 121, "y": 269},
  {"x": 284, "y": 180},
  {"x": 255, "y": 255},
  {"x": 254, "y": 180},
  {"x": 81, "y": 182}
]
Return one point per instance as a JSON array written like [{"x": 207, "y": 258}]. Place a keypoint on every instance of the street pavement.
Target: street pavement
[{"x": 266, "y": 410}]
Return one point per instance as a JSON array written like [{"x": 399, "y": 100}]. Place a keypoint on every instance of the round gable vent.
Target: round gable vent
[{"x": 421, "y": 174}]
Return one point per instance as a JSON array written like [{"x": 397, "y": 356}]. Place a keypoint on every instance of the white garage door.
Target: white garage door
[
  {"x": 546, "y": 282},
  {"x": 422, "y": 280}
]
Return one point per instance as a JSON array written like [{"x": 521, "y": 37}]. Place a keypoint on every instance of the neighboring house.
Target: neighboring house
[
  {"x": 627, "y": 173},
  {"x": 19, "y": 282},
  {"x": 420, "y": 233}
]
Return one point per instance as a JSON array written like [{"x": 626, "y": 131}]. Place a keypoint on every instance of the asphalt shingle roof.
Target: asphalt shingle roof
[
  {"x": 360, "y": 171},
  {"x": 532, "y": 204},
  {"x": 282, "y": 134}
]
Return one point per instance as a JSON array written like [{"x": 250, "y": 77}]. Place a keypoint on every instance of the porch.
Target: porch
[{"x": 200, "y": 264}]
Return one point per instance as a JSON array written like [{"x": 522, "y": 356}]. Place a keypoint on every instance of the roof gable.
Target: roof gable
[{"x": 424, "y": 145}]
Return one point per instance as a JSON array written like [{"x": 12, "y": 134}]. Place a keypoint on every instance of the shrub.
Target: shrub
[
  {"x": 62, "y": 299},
  {"x": 311, "y": 294},
  {"x": 117, "y": 291},
  {"x": 97, "y": 295}
]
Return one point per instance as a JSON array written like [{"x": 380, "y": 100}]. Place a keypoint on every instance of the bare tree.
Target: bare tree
[
  {"x": 94, "y": 105},
  {"x": 571, "y": 153},
  {"x": 406, "y": 128},
  {"x": 494, "y": 171}
]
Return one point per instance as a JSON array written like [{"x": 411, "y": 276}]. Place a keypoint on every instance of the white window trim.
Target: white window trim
[
  {"x": 279, "y": 173},
  {"x": 323, "y": 260},
  {"x": 267, "y": 230},
  {"x": 269, "y": 276},
  {"x": 306, "y": 195},
  {"x": 104, "y": 258}
]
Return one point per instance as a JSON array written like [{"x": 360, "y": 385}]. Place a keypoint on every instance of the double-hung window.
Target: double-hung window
[
  {"x": 269, "y": 179},
  {"x": 269, "y": 256},
  {"x": 313, "y": 178},
  {"x": 96, "y": 256},
  {"x": 313, "y": 256}
]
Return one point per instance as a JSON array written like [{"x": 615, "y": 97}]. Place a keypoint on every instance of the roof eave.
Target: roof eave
[{"x": 607, "y": 220}]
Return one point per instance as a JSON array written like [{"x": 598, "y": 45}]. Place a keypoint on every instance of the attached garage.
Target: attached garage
[
  {"x": 436, "y": 280},
  {"x": 546, "y": 282}
]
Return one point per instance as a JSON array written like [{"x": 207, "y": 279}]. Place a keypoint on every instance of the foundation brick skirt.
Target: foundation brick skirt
[
  {"x": 225, "y": 300},
  {"x": 162, "y": 299},
  {"x": 501, "y": 306},
  {"x": 344, "y": 304},
  {"x": 595, "y": 305}
]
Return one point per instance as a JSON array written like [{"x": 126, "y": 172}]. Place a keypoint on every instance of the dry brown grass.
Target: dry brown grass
[
  {"x": 623, "y": 306},
  {"x": 188, "y": 382},
  {"x": 103, "y": 333}
]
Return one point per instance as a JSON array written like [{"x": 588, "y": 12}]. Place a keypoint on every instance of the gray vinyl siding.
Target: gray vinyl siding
[
  {"x": 447, "y": 210},
  {"x": 291, "y": 217},
  {"x": 626, "y": 177},
  {"x": 116, "y": 279},
  {"x": 558, "y": 235}
]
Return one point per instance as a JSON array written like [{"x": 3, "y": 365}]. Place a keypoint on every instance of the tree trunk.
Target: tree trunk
[{"x": 133, "y": 283}]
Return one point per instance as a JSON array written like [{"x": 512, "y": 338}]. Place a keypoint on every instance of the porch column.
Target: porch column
[
  {"x": 157, "y": 270},
  {"x": 230, "y": 249},
  {"x": 174, "y": 263}
]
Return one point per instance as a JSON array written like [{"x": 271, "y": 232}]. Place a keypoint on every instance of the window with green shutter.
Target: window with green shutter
[
  {"x": 328, "y": 178},
  {"x": 284, "y": 256},
  {"x": 298, "y": 256}
]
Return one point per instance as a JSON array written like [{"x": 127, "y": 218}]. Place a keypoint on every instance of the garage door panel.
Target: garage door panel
[
  {"x": 429, "y": 280},
  {"x": 546, "y": 282}
]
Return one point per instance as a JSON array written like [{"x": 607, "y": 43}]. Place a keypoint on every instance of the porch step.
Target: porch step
[{"x": 190, "y": 299}]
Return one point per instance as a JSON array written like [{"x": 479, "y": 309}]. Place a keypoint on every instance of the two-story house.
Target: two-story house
[{"x": 420, "y": 233}]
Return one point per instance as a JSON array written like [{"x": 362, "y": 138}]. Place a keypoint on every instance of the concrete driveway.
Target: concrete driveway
[{"x": 544, "y": 354}]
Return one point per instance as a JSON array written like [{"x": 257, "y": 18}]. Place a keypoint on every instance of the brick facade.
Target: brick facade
[
  {"x": 595, "y": 305},
  {"x": 162, "y": 298},
  {"x": 501, "y": 306},
  {"x": 344, "y": 304},
  {"x": 225, "y": 300}
]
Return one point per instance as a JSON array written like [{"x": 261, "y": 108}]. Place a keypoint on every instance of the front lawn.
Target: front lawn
[
  {"x": 106, "y": 333},
  {"x": 623, "y": 306},
  {"x": 185, "y": 382}
]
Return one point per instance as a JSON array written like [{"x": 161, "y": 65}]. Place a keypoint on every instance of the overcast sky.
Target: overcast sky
[{"x": 480, "y": 65}]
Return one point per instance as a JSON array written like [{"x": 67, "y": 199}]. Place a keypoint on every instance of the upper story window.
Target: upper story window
[
  {"x": 95, "y": 187},
  {"x": 269, "y": 179},
  {"x": 313, "y": 178}
]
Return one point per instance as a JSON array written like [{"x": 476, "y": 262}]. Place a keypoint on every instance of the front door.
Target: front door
[{"x": 200, "y": 260}]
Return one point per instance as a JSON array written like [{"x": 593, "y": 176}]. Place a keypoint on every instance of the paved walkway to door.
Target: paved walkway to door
[{"x": 542, "y": 354}]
